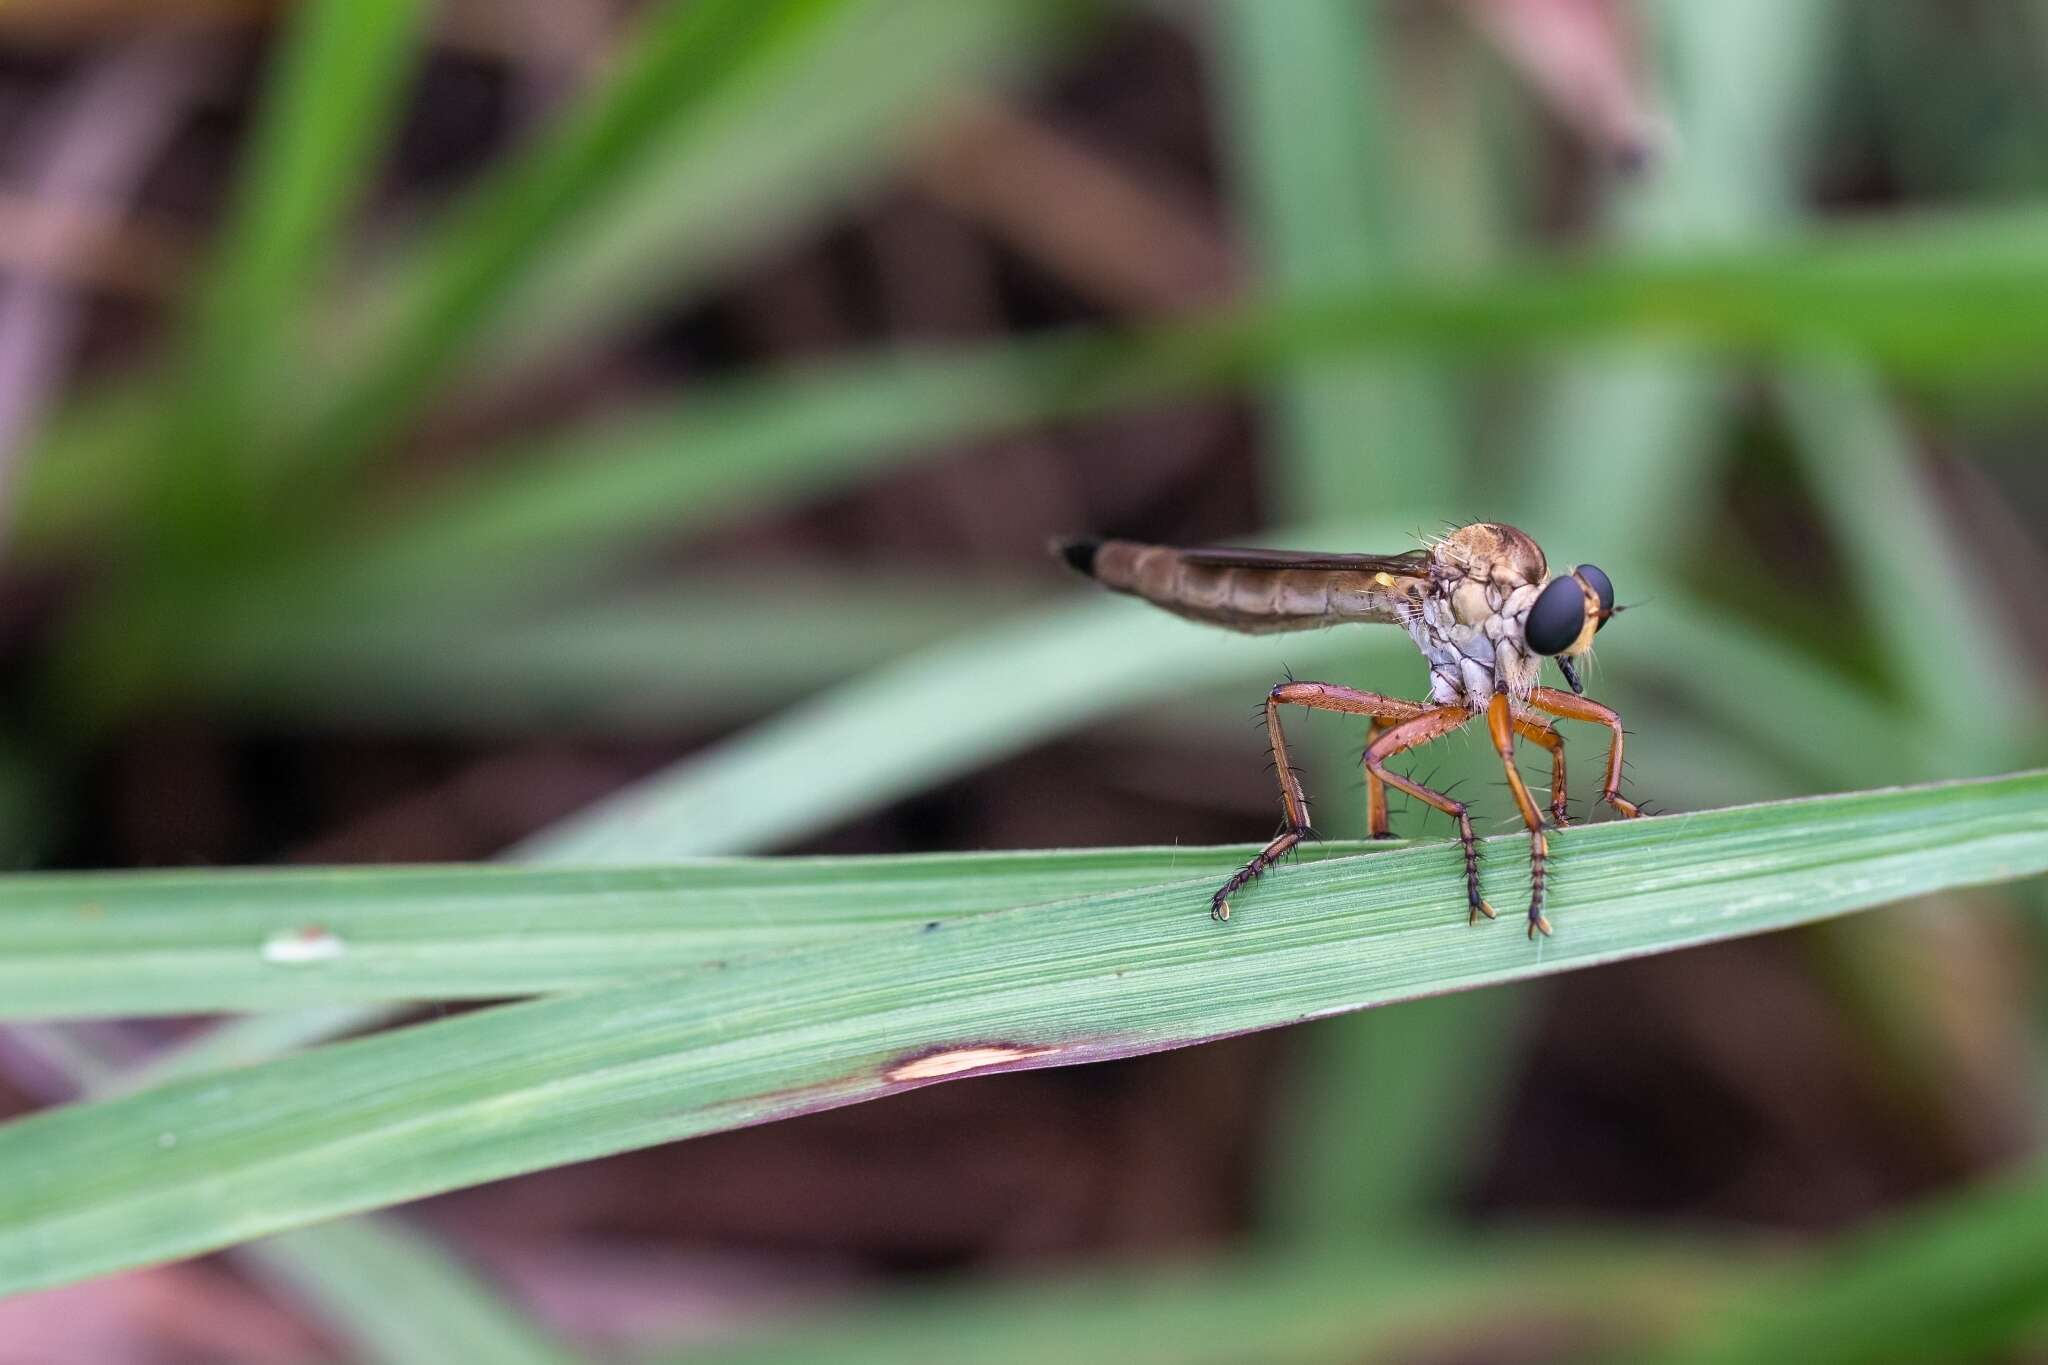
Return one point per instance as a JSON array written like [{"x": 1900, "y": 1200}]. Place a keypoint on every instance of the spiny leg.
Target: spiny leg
[
  {"x": 1377, "y": 825},
  {"x": 1293, "y": 803},
  {"x": 1500, "y": 724},
  {"x": 1384, "y": 712},
  {"x": 1285, "y": 840},
  {"x": 1429, "y": 725},
  {"x": 1546, "y": 736},
  {"x": 1585, "y": 708}
]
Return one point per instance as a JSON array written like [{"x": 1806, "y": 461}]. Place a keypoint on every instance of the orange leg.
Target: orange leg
[
  {"x": 1500, "y": 724},
  {"x": 1429, "y": 725},
  {"x": 1583, "y": 708},
  {"x": 1376, "y": 823},
  {"x": 1293, "y": 803},
  {"x": 1538, "y": 733}
]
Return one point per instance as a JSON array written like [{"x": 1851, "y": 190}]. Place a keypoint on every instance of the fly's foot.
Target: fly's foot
[
  {"x": 1539, "y": 863},
  {"x": 1475, "y": 904},
  {"x": 1627, "y": 809},
  {"x": 1219, "y": 904}
]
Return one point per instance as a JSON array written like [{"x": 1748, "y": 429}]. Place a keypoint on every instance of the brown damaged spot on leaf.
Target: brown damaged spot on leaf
[{"x": 951, "y": 1061}]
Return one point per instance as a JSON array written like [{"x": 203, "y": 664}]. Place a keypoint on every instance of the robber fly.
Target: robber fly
[{"x": 1481, "y": 605}]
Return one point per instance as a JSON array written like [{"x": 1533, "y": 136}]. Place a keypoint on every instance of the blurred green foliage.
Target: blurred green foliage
[{"x": 1425, "y": 356}]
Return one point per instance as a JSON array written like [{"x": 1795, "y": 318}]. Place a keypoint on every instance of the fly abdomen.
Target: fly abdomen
[{"x": 1253, "y": 599}]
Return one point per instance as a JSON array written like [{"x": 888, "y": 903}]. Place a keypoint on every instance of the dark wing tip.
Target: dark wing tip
[{"x": 1078, "y": 551}]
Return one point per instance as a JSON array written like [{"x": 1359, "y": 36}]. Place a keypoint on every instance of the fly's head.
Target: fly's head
[
  {"x": 1506, "y": 613},
  {"x": 1566, "y": 615}
]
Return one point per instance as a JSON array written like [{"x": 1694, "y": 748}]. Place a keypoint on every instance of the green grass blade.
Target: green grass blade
[
  {"x": 1953, "y": 662},
  {"x": 226, "y": 1157},
  {"x": 709, "y": 134},
  {"x": 82, "y": 476},
  {"x": 725, "y": 450},
  {"x": 1907, "y": 294},
  {"x": 691, "y": 654},
  {"x": 941, "y": 711},
  {"x": 1944, "y": 1282},
  {"x": 187, "y": 942},
  {"x": 1302, "y": 85},
  {"x": 65, "y": 1051},
  {"x": 1309, "y": 114},
  {"x": 1381, "y": 1115},
  {"x": 1421, "y": 1302},
  {"x": 1954, "y": 1279},
  {"x": 397, "y": 1297},
  {"x": 336, "y": 89},
  {"x": 1828, "y": 718},
  {"x": 678, "y": 64},
  {"x": 771, "y": 155},
  {"x": 248, "y": 1038}
]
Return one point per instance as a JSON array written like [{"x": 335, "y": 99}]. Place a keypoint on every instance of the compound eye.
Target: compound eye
[
  {"x": 1557, "y": 617},
  {"x": 1603, "y": 588}
]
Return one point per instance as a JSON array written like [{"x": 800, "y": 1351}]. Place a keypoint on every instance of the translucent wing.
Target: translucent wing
[{"x": 1409, "y": 564}]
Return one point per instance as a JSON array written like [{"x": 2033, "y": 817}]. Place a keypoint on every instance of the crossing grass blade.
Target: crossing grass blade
[
  {"x": 1946, "y": 1282},
  {"x": 377, "y": 1283},
  {"x": 770, "y": 156},
  {"x": 1331, "y": 1309},
  {"x": 1958, "y": 1279},
  {"x": 1951, "y": 655},
  {"x": 680, "y": 62},
  {"x": 697, "y": 92},
  {"x": 690, "y": 654},
  {"x": 336, "y": 89},
  {"x": 222, "y": 1158},
  {"x": 399, "y": 1299}
]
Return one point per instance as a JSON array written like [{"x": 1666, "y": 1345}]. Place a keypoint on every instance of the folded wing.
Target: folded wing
[{"x": 1257, "y": 591}]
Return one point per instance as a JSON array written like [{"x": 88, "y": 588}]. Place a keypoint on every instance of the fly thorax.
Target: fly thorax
[
  {"x": 1435, "y": 629},
  {"x": 1471, "y": 622},
  {"x": 1487, "y": 577},
  {"x": 1516, "y": 666}
]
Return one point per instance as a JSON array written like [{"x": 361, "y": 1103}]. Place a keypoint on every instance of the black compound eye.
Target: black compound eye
[
  {"x": 1557, "y": 618},
  {"x": 1603, "y": 588}
]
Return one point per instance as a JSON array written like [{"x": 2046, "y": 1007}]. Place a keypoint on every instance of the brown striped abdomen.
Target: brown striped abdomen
[{"x": 1254, "y": 599}]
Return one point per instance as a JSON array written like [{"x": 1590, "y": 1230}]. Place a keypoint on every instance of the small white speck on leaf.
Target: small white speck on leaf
[{"x": 300, "y": 947}]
